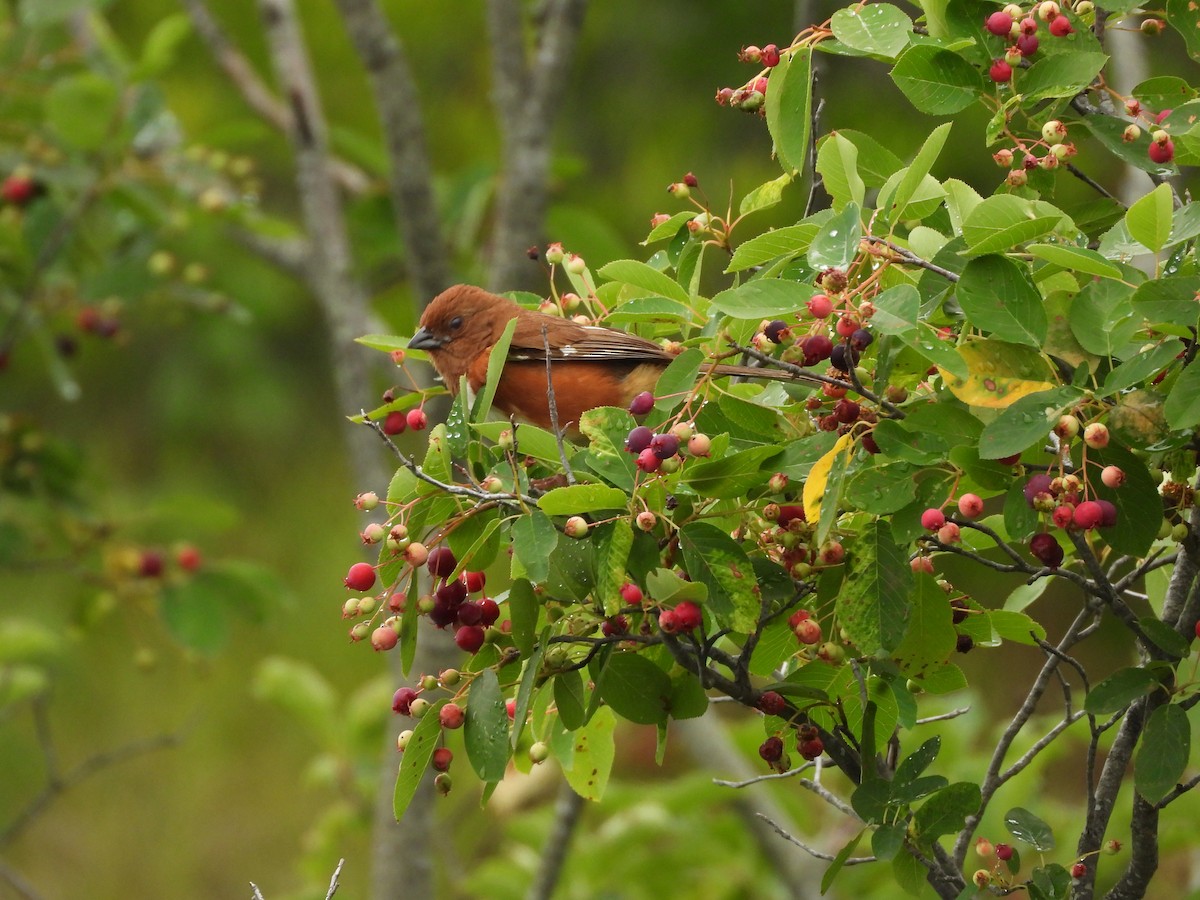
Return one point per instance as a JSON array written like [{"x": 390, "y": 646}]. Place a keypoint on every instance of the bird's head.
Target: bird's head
[{"x": 459, "y": 323}]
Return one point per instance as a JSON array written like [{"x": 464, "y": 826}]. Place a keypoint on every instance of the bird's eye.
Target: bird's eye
[{"x": 456, "y": 323}]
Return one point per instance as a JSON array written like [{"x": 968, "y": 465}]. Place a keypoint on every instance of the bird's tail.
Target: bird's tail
[{"x": 764, "y": 373}]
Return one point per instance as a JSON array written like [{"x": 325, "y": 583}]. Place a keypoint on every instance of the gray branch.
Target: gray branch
[{"x": 395, "y": 93}]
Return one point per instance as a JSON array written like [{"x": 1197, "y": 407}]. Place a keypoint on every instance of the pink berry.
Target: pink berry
[
  {"x": 649, "y": 461},
  {"x": 361, "y": 577},
  {"x": 667, "y": 621},
  {"x": 631, "y": 593},
  {"x": 1004, "y": 852},
  {"x": 1063, "y": 515},
  {"x": 1096, "y": 435},
  {"x": 846, "y": 326},
  {"x": 699, "y": 445},
  {"x": 1112, "y": 476},
  {"x": 770, "y": 56},
  {"x": 510, "y": 707},
  {"x": 922, "y": 564},
  {"x": 932, "y": 519},
  {"x": 442, "y": 757},
  {"x": 970, "y": 505},
  {"x": 1079, "y": 869},
  {"x": 808, "y": 631},
  {"x": 1000, "y": 72},
  {"x": 949, "y": 533},
  {"x": 188, "y": 558},
  {"x": 384, "y": 637},
  {"x": 642, "y": 403}
]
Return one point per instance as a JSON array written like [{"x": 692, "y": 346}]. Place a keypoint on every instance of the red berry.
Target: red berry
[
  {"x": 999, "y": 23},
  {"x": 441, "y": 562},
  {"x": 808, "y": 631},
  {"x": 1027, "y": 44},
  {"x": 1004, "y": 852},
  {"x": 451, "y": 716},
  {"x": 667, "y": 621},
  {"x": 1088, "y": 515},
  {"x": 688, "y": 616},
  {"x": 1162, "y": 153},
  {"x": 615, "y": 626},
  {"x": 1108, "y": 513},
  {"x": 797, "y": 617},
  {"x": 489, "y": 611},
  {"x": 1079, "y": 869},
  {"x": 469, "y": 638},
  {"x": 18, "y": 189},
  {"x": 690, "y": 180},
  {"x": 770, "y": 56},
  {"x": 631, "y": 593},
  {"x": 360, "y": 577},
  {"x": 932, "y": 519},
  {"x": 395, "y": 423},
  {"x": 151, "y": 564},
  {"x": 442, "y": 757},
  {"x": 816, "y": 348},
  {"x": 1063, "y": 516},
  {"x": 788, "y": 514},
  {"x": 468, "y": 614},
  {"x": 773, "y": 704},
  {"x": 922, "y": 564},
  {"x": 510, "y": 707},
  {"x": 771, "y": 750},
  {"x": 1060, "y": 26},
  {"x": 820, "y": 306},
  {"x": 1000, "y": 71},
  {"x": 811, "y": 748},
  {"x": 402, "y": 700},
  {"x": 417, "y": 420},
  {"x": 189, "y": 558},
  {"x": 642, "y": 403},
  {"x": 474, "y": 581}
]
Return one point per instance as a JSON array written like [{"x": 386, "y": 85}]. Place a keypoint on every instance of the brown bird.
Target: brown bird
[{"x": 592, "y": 366}]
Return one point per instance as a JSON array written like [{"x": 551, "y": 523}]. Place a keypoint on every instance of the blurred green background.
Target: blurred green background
[{"x": 222, "y": 430}]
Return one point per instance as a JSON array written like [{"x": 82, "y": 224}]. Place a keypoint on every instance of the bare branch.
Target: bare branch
[
  {"x": 254, "y": 90},
  {"x": 333, "y": 881},
  {"x": 395, "y": 92},
  {"x": 15, "y": 880},
  {"x": 953, "y": 714},
  {"x": 909, "y": 258},
  {"x": 567, "y": 812}
]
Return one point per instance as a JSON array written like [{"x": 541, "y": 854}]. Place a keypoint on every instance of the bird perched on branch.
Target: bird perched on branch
[{"x": 592, "y": 366}]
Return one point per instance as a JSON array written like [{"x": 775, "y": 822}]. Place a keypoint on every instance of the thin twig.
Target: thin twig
[
  {"x": 759, "y": 779},
  {"x": 567, "y": 812},
  {"x": 257, "y": 893},
  {"x": 16, "y": 881},
  {"x": 333, "y": 882},
  {"x": 812, "y": 851},
  {"x": 907, "y": 256},
  {"x": 953, "y": 714}
]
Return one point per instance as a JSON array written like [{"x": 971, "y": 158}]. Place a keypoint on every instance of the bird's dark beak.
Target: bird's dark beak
[{"x": 425, "y": 340}]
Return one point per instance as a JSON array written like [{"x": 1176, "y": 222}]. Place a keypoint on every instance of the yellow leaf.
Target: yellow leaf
[
  {"x": 818, "y": 478},
  {"x": 1000, "y": 374}
]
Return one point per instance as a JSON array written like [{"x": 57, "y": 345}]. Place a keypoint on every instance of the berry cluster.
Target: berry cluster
[{"x": 1019, "y": 28}]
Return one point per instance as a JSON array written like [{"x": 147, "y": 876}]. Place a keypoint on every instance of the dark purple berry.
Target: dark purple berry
[
  {"x": 642, "y": 403},
  {"x": 861, "y": 339},
  {"x": 1046, "y": 549},
  {"x": 664, "y": 445},
  {"x": 1038, "y": 484},
  {"x": 441, "y": 562},
  {"x": 816, "y": 348},
  {"x": 777, "y": 332},
  {"x": 638, "y": 439}
]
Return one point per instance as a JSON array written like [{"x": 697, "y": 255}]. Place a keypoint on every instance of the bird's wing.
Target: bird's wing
[{"x": 569, "y": 340}]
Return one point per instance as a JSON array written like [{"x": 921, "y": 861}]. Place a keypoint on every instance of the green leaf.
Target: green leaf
[
  {"x": 196, "y": 613},
  {"x": 678, "y": 378},
  {"x": 997, "y": 295},
  {"x": 161, "y": 47},
  {"x": 850, "y": 845},
  {"x": 879, "y": 29},
  {"x": 876, "y": 163},
  {"x": 415, "y": 761},
  {"x": 1060, "y": 75},
  {"x": 870, "y": 799},
  {"x": 896, "y": 310},
  {"x": 1164, "y": 92},
  {"x": 636, "y": 689},
  {"x": 530, "y": 674},
  {"x": 936, "y": 81},
  {"x": 1182, "y": 407},
  {"x": 1102, "y": 317},
  {"x": 523, "y": 610},
  {"x": 887, "y": 841},
  {"x": 592, "y": 759},
  {"x": 1001, "y": 222},
  {"x": 533, "y": 540},
  {"x": 1163, "y": 754},
  {"x": 915, "y": 175},
  {"x": 1016, "y": 627},
  {"x": 910, "y": 874},
  {"x": 612, "y": 555},
  {"x": 875, "y": 601},
  {"x": 789, "y": 97},
  {"x": 1139, "y": 506},
  {"x": 836, "y": 244},
  {"x": 837, "y": 164},
  {"x": 688, "y": 699},
  {"x": 670, "y": 227},
  {"x": 915, "y": 764},
  {"x": 1139, "y": 368},
  {"x": 569, "y": 698},
  {"x": 881, "y": 490},
  {"x": 639, "y": 274},
  {"x": 729, "y": 476},
  {"x": 1184, "y": 17},
  {"x": 1028, "y": 828},
  {"x": 714, "y": 559},
  {"x": 763, "y": 299},
  {"x": 582, "y": 498},
  {"x": 1165, "y": 637},
  {"x": 764, "y": 196},
  {"x": 302, "y": 691},
  {"x": 789, "y": 241},
  {"x": 485, "y": 732},
  {"x": 606, "y": 428},
  {"x": 945, "y": 811},
  {"x": 1149, "y": 218},
  {"x": 81, "y": 109},
  {"x": 26, "y": 641},
  {"x": 1076, "y": 259},
  {"x": 929, "y": 637},
  {"x": 1026, "y": 422},
  {"x": 1120, "y": 689}
]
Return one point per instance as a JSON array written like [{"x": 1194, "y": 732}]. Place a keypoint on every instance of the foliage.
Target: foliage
[{"x": 999, "y": 383}]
